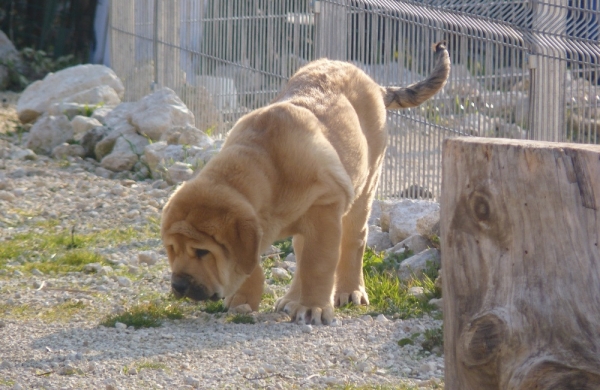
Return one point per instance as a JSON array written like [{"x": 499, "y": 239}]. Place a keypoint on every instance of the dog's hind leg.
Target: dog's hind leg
[{"x": 349, "y": 280}]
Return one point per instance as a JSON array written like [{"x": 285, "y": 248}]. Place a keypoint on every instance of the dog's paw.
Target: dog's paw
[
  {"x": 356, "y": 297},
  {"x": 239, "y": 300},
  {"x": 315, "y": 315}
]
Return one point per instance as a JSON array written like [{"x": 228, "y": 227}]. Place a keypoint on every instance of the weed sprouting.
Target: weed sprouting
[{"x": 146, "y": 315}]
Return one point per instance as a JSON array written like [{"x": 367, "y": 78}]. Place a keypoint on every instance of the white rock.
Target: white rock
[
  {"x": 159, "y": 153},
  {"x": 307, "y": 328},
  {"x": 37, "y": 272},
  {"x": 381, "y": 318},
  {"x": 191, "y": 381},
  {"x": 82, "y": 124},
  {"x": 385, "y": 207},
  {"x": 269, "y": 368},
  {"x": 375, "y": 215},
  {"x": 105, "y": 270},
  {"x": 148, "y": 257},
  {"x": 417, "y": 264},
  {"x": 125, "y": 153},
  {"x": 186, "y": 135},
  {"x": 49, "y": 132},
  {"x": 119, "y": 161},
  {"x": 437, "y": 302},
  {"x": 120, "y": 325},
  {"x": 363, "y": 367},
  {"x": 56, "y": 87},
  {"x": 367, "y": 318},
  {"x": 378, "y": 240},
  {"x": 427, "y": 367},
  {"x": 23, "y": 154},
  {"x": 101, "y": 94},
  {"x": 280, "y": 273},
  {"x": 429, "y": 225},
  {"x": 156, "y": 113},
  {"x": 92, "y": 267},
  {"x": 415, "y": 243},
  {"x": 7, "y": 196},
  {"x": 179, "y": 172},
  {"x": 416, "y": 291},
  {"x": 404, "y": 215},
  {"x": 123, "y": 281},
  {"x": 67, "y": 150}
]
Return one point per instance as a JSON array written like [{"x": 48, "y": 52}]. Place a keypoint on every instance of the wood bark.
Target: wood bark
[{"x": 520, "y": 231}]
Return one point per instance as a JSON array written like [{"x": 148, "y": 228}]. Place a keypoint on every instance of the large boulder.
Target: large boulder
[
  {"x": 187, "y": 135},
  {"x": 99, "y": 95},
  {"x": 49, "y": 132},
  {"x": 125, "y": 153},
  {"x": 158, "y": 112},
  {"x": 61, "y": 86},
  {"x": 407, "y": 214},
  {"x": 417, "y": 265},
  {"x": 82, "y": 124}
]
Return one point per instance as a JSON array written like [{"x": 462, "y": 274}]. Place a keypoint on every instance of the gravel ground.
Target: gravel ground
[{"x": 50, "y": 332}]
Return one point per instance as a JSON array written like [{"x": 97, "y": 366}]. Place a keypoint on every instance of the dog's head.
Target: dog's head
[{"x": 212, "y": 239}]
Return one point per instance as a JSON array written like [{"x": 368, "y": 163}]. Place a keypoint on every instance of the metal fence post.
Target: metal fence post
[
  {"x": 548, "y": 68},
  {"x": 332, "y": 28},
  {"x": 154, "y": 84}
]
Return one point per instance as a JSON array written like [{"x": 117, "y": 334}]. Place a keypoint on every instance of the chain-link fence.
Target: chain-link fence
[{"x": 521, "y": 69}]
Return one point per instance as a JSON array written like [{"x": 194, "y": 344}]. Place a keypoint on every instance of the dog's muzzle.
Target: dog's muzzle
[{"x": 183, "y": 286}]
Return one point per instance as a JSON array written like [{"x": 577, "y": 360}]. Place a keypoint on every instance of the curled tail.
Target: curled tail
[{"x": 415, "y": 94}]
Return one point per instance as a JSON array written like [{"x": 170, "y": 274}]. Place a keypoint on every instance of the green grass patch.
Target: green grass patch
[
  {"x": 432, "y": 386},
  {"x": 62, "y": 312},
  {"x": 150, "y": 365},
  {"x": 67, "y": 251},
  {"x": 16, "y": 311},
  {"x": 7, "y": 382},
  {"x": 70, "y": 261},
  {"x": 146, "y": 315},
  {"x": 241, "y": 319},
  {"x": 387, "y": 293},
  {"x": 213, "y": 307},
  {"x": 434, "y": 338},
  {"x": 285, "y": 247}
]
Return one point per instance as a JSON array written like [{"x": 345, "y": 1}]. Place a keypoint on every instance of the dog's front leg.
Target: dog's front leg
[
  {"x": 250, "y": 291},
  {"x": 310, "y": 299}
]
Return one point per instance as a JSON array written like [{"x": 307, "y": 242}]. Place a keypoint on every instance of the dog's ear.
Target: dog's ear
[{"x": 244, "y": 241}]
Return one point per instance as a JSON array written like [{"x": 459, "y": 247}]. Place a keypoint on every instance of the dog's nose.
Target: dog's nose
[{"x": 179, "y": 286}]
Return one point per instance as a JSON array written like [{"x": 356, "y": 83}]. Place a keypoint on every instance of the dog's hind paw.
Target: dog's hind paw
[
  {"x": 314, "y": 315},
  {"x": 357, "y": 297}
]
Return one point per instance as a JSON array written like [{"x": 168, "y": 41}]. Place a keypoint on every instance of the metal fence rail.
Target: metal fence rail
[{"x": 521, "y": 69}]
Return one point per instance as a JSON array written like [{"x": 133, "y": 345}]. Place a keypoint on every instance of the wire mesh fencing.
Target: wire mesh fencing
[{"x": 520, "y": 68}]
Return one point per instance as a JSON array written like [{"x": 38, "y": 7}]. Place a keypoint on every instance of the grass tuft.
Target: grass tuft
[
  {"x": 146, "y": 315},
  {"x": 433, "y": 338},
  {"x": 213, "y": 307},
  {"x": 388, "y": 294},
  {"x": 241, "y": 319}
]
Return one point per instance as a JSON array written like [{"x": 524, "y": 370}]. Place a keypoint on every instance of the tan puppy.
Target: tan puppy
[{"x": 306, "y": 166}]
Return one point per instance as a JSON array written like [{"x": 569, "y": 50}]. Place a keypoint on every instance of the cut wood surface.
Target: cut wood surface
[{"x": 520, "y": 265}]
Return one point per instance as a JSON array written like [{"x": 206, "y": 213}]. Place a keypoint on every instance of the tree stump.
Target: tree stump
[{"x": 520, "y": 265}]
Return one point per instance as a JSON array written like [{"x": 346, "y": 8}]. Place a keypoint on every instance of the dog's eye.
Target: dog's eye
[{"x": 201, "y": 252}]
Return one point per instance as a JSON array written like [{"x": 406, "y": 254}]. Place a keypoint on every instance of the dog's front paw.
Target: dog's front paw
[
  {"x": 240, "y": 299},
  {"x": 357, "y": 297},
  {"x": 301, "y": 314}
]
